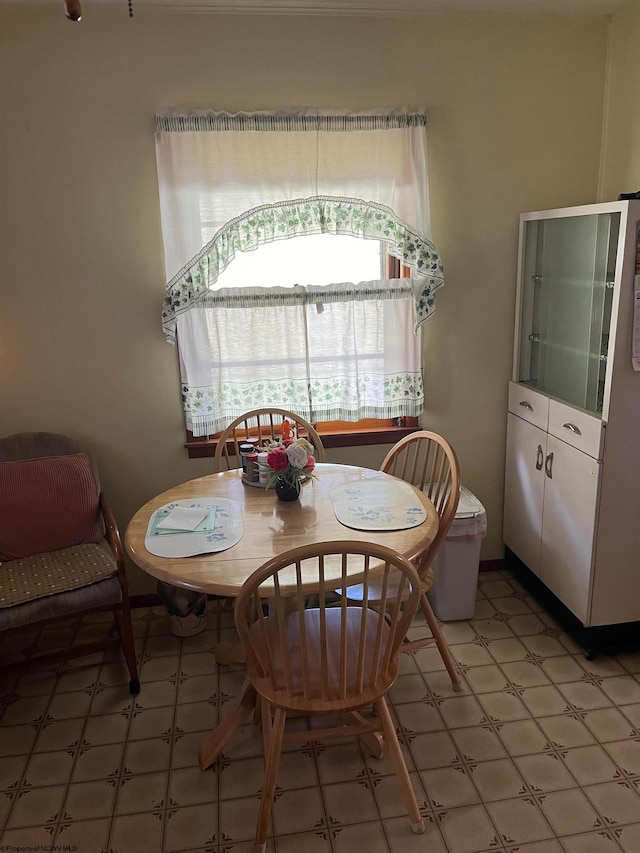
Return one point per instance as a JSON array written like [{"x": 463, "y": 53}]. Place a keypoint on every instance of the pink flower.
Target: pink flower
[
  {"x": 311, "y": 464},
  {"x": 277, "y": 459}
]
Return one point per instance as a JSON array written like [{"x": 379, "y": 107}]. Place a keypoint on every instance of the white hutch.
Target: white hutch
[{"x": 572, "y": 485}]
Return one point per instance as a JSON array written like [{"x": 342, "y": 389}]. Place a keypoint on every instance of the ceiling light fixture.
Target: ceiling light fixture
[{"x": 73, "y": 10}]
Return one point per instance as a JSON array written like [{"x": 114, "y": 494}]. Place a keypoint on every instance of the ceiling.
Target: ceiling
[{"x": 382, "y": 7}]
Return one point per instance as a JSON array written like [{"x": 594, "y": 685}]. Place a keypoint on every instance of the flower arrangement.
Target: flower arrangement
[{"x": 292, "y": 462}]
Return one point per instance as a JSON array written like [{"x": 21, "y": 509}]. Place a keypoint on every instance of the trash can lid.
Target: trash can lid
[
  {"x": 470, "y": 522},
  {"x": 468, "y": 506}
]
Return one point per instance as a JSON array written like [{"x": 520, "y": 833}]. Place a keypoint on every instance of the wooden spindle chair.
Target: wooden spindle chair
[
  {"x": 330, "y": 659},
  {"x": 427, "y": 461},
  {"x": 264, "y": 425}
]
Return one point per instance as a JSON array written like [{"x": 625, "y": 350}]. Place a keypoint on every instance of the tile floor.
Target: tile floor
[{"x": 539, "y": 754}]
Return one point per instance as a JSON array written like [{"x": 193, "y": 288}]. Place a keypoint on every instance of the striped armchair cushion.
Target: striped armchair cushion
[{"x": 47, "y": 504}]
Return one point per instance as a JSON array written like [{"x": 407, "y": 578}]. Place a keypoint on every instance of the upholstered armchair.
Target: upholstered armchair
[{"x": 60, "y": 550}]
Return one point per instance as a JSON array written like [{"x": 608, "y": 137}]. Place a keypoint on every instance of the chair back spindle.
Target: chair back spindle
[{"x": 263, "y": 426}]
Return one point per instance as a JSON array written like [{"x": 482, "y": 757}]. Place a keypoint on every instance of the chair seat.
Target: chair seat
[
  {"x": 54, "y": 572},
  {"x": 312, "y": 679},
  {"x": 105, "y": 593},
  {"x": 356, "y": 593}
]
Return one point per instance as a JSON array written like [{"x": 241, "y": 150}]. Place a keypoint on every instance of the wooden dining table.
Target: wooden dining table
[{"x": 268, "y": 528}]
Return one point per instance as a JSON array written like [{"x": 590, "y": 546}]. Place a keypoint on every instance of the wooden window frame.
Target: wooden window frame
[{"x": 332, "y": 433}]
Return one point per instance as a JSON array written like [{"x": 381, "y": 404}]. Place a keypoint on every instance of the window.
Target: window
[
  {"x": 318, "y": 259},
  {"x": 273, "y": 226}
]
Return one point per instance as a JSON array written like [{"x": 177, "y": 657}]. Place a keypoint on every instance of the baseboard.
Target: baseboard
[
  {"x": 147, "y": 599},
  {"x": 492, "y": 565}
]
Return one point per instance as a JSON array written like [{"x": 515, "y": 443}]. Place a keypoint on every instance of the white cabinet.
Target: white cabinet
[
  {"x": 524, "y": 490},
  {"x": 568, "y": 524},
  {"x": 572, "y": 481},
  {"x": 551, "y": 501}
]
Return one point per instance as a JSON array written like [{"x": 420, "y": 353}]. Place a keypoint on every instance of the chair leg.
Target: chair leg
[
  {"x": 122, "y": 619},
  {"x": 430, "y": 616},
  {"x": 395, "y": 753},
  {"x": 263, "y": 712},
  {"x": 257, "y": 715},
  {"x": 272, "y": 758}
]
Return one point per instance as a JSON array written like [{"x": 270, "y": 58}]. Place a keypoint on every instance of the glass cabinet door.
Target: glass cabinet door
[{"x": 568, "y": 269}]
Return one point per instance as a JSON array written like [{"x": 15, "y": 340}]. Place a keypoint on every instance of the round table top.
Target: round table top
[{"x": 270, "y": 527}]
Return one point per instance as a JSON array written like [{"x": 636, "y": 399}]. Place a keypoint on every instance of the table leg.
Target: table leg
[{"x": 217, "y": 739}]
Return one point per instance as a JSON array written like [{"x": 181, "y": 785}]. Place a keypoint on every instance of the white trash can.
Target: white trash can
[{"x": 456, "y": 566}]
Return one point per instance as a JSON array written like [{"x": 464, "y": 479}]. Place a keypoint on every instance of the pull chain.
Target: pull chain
[{"x": 130, "y": 2}]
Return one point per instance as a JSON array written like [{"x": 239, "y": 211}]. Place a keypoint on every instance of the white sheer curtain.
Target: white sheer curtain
[{"x": 229, "y": 183}]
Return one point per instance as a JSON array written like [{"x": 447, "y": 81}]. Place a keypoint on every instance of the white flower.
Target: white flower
[{"x": 297, "y": 455}]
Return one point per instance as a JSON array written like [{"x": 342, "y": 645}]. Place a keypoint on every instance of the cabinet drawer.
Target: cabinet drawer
[
  {"x": 576, "y": 427},
  {"x": 529, "y": 405}
]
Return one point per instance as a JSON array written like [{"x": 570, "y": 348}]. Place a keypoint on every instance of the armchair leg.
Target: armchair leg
[{"x": 122, "y": 619}]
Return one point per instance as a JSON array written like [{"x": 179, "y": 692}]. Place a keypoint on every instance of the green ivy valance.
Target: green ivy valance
[{"x": 193, "y": 284}]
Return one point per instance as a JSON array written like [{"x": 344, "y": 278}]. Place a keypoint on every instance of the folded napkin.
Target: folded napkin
[{"x": 183, "y": 519}]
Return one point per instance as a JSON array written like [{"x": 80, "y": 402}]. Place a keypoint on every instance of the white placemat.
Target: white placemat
[
  {"x": 377, "y": 504},
  {"x": 221, "y": 528}
]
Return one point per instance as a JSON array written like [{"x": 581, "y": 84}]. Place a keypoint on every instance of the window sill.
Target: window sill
[{"x": 201, "y": 448}]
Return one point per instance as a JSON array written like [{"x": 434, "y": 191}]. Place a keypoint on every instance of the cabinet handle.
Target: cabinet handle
[
  {"x": 526, "y": 405},
  {"x": 548, "y": 466},
  {"x": 573, "y": 428},
  {"x": 539, "y": 458}
]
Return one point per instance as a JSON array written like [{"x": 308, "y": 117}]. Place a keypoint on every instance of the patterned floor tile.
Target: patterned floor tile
[
  {"x": 486, "y": 679},
  {"x": 468, "y": 829},
  {"x": 609, "y": 724},
  {"x": 617, "y": 802},
  {"x": 479, "y": 743},
  {"x": 498, "y": 780},
  {"x": 590, "y": 765},
  {"x": 569, "y": 812},
  {"x": 48, "y": 768},
  {"x": 566, "y": 731},
  {"x": 545, "y": 772},
  {"x": 140, "y": 832},
  {"x": 519, "y": 821},
  {"x": 88, "y": 836},
  {"x": 86, "y": 801},
  {"x": 346, "y": 803},
  {"x": 37, "y": 807},
  {"x": 450, "y": 787},
  {"x": 539, "y": 753}
]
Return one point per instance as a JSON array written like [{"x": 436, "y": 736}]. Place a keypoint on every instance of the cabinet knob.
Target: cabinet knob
[{"x": 526, "y": 405}]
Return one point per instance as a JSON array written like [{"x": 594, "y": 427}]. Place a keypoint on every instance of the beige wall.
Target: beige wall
[
  {"x": 515, "y": 111},
  {"x": 621, "y": 138}
]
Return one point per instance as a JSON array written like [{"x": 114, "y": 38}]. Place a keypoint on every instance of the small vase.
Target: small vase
[{"x": 286, "y": 491}]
